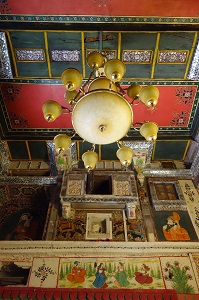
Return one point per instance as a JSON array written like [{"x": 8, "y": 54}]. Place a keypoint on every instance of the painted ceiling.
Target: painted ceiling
[{"x": 157, "y": 41}]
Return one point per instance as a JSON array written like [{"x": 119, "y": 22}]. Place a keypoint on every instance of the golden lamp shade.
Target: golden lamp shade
[
  {"x": 51, "y": 110},
  {"x": 102, "y": 83},
  {"x": 71, "y": 79},
  {"x": 95, "y": 60},
  {"x": 108, "y": 121},
  {"x": 70, "y": 96},
  {"x": 133, "y": 91},
  {"x": 114, "y": 70},
  {"x": 149, "y": 96},
  {"x": 149, "y": 131},
  {"x": 90, "y": 158},
  {"x": 62, "y": 142},
  {"x": 125, "y": 155}
]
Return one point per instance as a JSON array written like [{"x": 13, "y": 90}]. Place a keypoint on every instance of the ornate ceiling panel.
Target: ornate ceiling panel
[{"x": 157, "y": 45}]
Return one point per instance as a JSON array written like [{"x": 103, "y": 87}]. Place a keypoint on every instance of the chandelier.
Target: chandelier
[{"x": 101, "y": 114}]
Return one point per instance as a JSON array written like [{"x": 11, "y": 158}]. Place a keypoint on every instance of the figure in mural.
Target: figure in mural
[
  {"x": 77, "y": 274},
  {"x": 121, "y": 276},
  {"x": 173, "y": 231},
  {"x": 100, "y": 276},
  {"x": 26, "y": 228},
  {"x": 143, "y": 276}
]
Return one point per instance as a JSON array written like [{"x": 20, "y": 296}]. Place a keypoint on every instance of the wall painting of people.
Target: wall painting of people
[
  {"x": 23, "y": 224},
  {"x": 110, "y": 273},
  {"x": 174, "y": 226}
]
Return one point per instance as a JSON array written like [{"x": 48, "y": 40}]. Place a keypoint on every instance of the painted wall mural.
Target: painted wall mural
[
  {"x": 174, "y": 226},
  {"x": 110, "y": 273},
  {"x": 178, "y": 274},
  {"x": 23, "y": 212},
  {"x": 155, "y": 272},
  {"x": 101, "y": 7}
]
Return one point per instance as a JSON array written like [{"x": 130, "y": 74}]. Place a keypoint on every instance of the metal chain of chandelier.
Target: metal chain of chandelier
[{"x": 100, "y": 112}]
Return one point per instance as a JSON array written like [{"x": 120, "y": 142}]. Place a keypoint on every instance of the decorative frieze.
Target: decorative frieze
[
  {"x": 137, "y": 56},
  {"x": 65, "y": 55},
  {"x": 171, "y": 56},
  {"x": 30, "y": 55}
]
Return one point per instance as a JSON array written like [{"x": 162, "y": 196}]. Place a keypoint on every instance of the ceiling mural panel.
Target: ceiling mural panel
[
  {"x": 46, "y": 54},
  {"x": 23, "y": 103},
  {"x": 102, "y": 7},
  {"x": 43, "y": 41}
]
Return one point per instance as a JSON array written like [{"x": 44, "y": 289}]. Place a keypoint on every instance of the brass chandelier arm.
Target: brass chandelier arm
[
  {"x": 68, "y": 111},
  {"x": 121, "y": 90},
  {"x": 133, "y": 101},
  {"x": 81, "y": 89}
]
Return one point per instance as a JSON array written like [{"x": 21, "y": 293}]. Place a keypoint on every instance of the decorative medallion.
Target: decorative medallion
[
  {"x": 177, "y": 57},
  {"x": 137, "y": 56},
  {"x": 44, "y": 272}
]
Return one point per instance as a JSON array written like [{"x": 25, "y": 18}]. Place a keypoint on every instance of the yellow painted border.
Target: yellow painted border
[
  {"x": 47, "y": 54},
  {"x": 155, "y": 55}
]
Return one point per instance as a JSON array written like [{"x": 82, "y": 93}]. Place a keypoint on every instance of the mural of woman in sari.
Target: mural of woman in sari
[
  {"x": 100, "y": 276},
  {"x": 121, "y": 276}
]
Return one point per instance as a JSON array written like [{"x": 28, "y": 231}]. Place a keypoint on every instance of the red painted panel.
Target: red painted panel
[
  {"x": 24, "y": 106},
  {"x": 173, "y": 109},
  {"x": 170, "y": 8}
]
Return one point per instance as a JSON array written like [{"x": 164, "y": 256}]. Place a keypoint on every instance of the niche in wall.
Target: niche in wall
[{"x": 99, "y": 184}]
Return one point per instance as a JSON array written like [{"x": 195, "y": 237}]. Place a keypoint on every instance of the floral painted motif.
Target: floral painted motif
[
  {"x": 189, "y": 192},
  {"x": 179, "y": 277},
  {"x": 180, "y": 119},
  {"x": 4, "y": 8},
  {"x": 18, "y": 121},
  {"x": 11, "y": 92},
  {"x": 185, "y": 95},
  {"x": 43, "y": 272},
  {"x": 196, "y": 261}
]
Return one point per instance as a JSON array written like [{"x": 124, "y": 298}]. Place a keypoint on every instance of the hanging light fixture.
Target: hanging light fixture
[
  {"x": 124, "y": 154},
  {"x": 100, "y": 112},
  {"x": 90, "y": 158}
]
